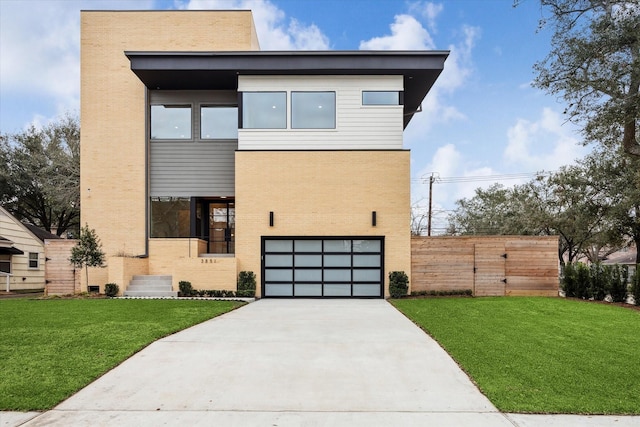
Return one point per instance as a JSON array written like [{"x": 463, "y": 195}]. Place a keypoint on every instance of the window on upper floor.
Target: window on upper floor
[
  {"x": 218, "y": 122},
  {"x": 33, "y": 260},
  {"x": 264, "y": 110},
  {"x": 5, "y": 263},
  {"x": 170, "y": 121},
  {"x": 313, "y": 110},
  {"x": 381, "y": 97}
]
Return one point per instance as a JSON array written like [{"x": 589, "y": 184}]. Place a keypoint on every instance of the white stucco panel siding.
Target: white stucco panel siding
[{"x": 358, "y": 127}]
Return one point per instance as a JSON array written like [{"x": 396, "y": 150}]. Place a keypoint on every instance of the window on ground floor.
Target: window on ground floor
[
  {"x": 33, "y": 260},
  {"x": 5, "y": 263},
  {"x": 170, "y": 217},
  {"x": 210, "y": 219}
]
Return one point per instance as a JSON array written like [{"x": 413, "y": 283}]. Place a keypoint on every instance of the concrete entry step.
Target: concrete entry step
[{"x": 150, "y": 286}]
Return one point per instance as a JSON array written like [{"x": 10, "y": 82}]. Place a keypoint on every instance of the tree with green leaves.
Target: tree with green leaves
[
  {"x": 569, "y": 203},
  {"x": 619, "y": 176},
  {"x": 495, "y": 210},
  {"x": 40, "y": 175},
  {"x": 594, "y": 64},
  {"x": 88, "y": 251}
]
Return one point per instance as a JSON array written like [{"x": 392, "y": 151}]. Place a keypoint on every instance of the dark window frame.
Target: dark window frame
[
  {"x": 242, "y": 106},
  {"x": 173, "y": 105},
  {"x": 400, "y": 98},
  {"x": 199, "y": 118}
]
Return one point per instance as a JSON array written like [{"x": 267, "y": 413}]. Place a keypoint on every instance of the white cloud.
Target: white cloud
[
  {"x": 428, "y": 11},
  {"x": 458, "y": 68},
  {"x": 40, "y": 46},
  {"x": 274, "y": 31},
  {"x": 544, "y": 144},
  {"x": 406, "y": 34},
  {"x": 40, "y": 51},
  {"x": 459, "y": 65}
]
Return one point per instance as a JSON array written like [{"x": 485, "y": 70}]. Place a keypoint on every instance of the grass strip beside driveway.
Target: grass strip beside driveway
[
  {"x": 49, "y": 349},
  {"x": 540, "y": 355}
]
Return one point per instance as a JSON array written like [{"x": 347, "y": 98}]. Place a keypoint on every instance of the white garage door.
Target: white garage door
[{"x": 322, "y": 267}]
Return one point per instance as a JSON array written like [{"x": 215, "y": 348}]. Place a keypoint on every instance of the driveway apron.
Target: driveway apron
[{"x": 286, "y": 362}]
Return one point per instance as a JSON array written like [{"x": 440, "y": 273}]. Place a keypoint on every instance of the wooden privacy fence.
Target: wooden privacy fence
[
  {"x": 61, "y": 278},
  {"x": 488, "y": 265}
]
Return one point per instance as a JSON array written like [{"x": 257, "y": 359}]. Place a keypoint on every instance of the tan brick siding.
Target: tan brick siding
[
  {"x": 323, "y": 193},
  {"x": 113, "y": 174},
  {"x": 179, "y": 258}
]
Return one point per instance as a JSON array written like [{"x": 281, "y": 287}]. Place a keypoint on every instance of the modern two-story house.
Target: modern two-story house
[{"x": 202, "y": 156}]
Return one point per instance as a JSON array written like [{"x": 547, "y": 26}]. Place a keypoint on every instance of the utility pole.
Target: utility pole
[{"x": 431, "y": 179}]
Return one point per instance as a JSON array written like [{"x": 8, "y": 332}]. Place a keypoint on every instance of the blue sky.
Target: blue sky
[{"x": 482, "y": 117}]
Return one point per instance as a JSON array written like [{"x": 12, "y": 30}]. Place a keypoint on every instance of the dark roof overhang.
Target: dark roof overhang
[
  {"x": 10, "y": 250},
  {"x": 220, "y": 70}
]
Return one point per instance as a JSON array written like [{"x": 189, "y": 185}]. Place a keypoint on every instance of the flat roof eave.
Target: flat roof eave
[{"x": 219, "y": 70}]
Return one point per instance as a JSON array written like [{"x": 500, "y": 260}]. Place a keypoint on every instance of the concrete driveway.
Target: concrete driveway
[{"x": 288, "y": 363}]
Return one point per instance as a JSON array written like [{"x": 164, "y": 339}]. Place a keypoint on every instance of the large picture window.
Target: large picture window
[
  {"x": 313, "y": 110},
  {"x": 170, "y": 122},
  {"x": 264, "y": 110},
  {"x": 170, "y": 217},
  {"x": 218, "y": 122}
]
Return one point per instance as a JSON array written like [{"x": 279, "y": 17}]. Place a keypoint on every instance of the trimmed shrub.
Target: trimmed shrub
[
  {"x": 569, "y": 282},
  {"x": 635, "y": 285},
  {"x": 599, "y": 282},
  {"x": 246, "y": 284},
  {"x": 582, "y": 281},
  {"x": 398, "y": 284},
  {"x": 111, "y": 290},
  {"x": 618, "y": 282},
  {"x": 186, "y": 290},
  {"x": 442, "y": 293}
]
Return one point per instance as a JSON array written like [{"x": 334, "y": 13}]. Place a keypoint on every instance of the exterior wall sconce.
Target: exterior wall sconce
[
  {"x": 374, "y": 219},
  {"x": 271, "y": 219}
]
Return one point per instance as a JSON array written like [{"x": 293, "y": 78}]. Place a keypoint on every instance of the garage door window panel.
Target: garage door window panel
[
  {"x": 278, "y": 260},
  {"x": 308, "y": 290},
  {"x": 279, "y": 290},
  {"x": 366, "y": 290},
  {"x": 279, "y": 275}
]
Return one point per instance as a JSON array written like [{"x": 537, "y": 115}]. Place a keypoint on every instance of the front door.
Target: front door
[{"x": 215, "y": 222}]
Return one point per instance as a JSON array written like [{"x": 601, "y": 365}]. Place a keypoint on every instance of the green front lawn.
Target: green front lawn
[
  {"x": 541, "y": 355},
  {"x": 49, "y": 349}
]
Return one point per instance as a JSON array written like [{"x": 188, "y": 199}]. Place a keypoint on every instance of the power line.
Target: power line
[{"x": 456, "y": 179}]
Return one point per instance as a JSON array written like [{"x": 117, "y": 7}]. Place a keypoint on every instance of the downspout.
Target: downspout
[{"x": 146, "y": 174}]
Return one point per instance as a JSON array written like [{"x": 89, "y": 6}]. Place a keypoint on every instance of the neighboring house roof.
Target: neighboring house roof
[
  {"x": 220, "y": 70},
  {"x": 25, "y": 227},
  {"x": 622, "y": 257},
  {"x": 40, "y": 233}
]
